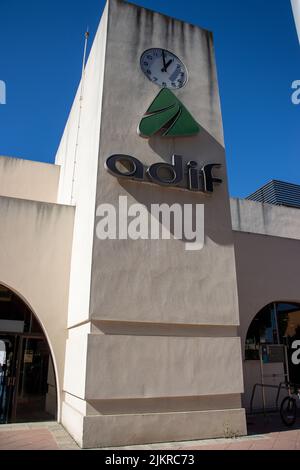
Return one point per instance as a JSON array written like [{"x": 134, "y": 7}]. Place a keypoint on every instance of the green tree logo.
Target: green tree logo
[{"x": 168, "y": 115}]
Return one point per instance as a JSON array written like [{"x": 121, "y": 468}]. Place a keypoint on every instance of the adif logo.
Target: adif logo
[
  {"x": 2, "y": 92},
  {"x": 169, "y": 117}
]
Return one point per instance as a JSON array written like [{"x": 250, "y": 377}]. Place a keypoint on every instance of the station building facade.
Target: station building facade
[{"x": 133, "y": 341}]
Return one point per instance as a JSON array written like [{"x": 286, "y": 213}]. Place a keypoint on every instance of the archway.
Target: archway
[
  {"x": 270, "y": 336},
  {"x": 27, "y": 378}
]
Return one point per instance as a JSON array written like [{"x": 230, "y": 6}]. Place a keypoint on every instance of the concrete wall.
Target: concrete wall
[
  {"x": 78, "y": 157},
  {"x": 118, "y": 358},
  {"x": 268, "y": 265},
  {"x": 176, "y": 307},
  {"x": 265, "y": 219},
  {"x": 36, "y": 241},
  {"x": 177, "y": 281},
  {"x": 26, "y": 179}
]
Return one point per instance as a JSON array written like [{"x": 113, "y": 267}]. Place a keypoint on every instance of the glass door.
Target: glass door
[
  {"x": 28, "y": 389},
  {"x": 25, "y": 370},
  {"x": 32, "y": 386},
  {"x": 8, "y": 375}
]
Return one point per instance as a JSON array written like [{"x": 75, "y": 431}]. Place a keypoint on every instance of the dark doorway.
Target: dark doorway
[
  {"x": 27, "y": 379},
  {"x": 272, "y": 356}
]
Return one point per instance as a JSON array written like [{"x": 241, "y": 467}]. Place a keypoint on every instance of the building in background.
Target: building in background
[
  {"x": 136, "y": 341},
  {"x": 279, "y": 193}
]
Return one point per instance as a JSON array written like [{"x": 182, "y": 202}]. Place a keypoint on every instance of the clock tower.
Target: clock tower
[{"x": 153, "y": 352}]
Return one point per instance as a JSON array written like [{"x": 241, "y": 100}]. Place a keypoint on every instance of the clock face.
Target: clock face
[{"x": 163, "y": 68}]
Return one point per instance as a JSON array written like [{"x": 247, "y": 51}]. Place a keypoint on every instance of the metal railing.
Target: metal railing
[{"x": 263, "y": 386}]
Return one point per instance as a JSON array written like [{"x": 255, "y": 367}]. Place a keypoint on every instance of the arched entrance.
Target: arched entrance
[
  {"x": 271, "y": 346},
  {"x": 27, "y": 378}
]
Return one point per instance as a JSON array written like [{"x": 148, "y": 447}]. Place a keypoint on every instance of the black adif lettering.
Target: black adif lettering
[
  {"x": 193, "y": 176},
  {"x": 175, "y": 172},
  {"x": 208, "y": 178},
  {"x": 134, "y": 169},
  {"x": 166, "y": 174}
]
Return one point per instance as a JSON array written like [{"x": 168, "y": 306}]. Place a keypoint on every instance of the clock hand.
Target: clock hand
[
  {"x": 164, "y": 61},
  {"x": 165, "y": 67},
  {"x": 168, "y": 64}
]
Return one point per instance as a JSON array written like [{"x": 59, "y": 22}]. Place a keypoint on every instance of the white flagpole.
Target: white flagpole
[
  {"x": 86, "y": 36},
  {"x": 296, "y": 11}
]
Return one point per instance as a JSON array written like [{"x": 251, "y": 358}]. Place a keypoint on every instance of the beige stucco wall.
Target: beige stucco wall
[
  {"x": 268, "y": 270},
  {"x": 268, "y": 266},
  {"x": 173, "y": 367},
  {"x": 27, "y": 179},
  {"x": 168, "y": 287},
  {"x": 36, "y": 240},
  {"x": 177, "y": 306},
  {"x": 78, "y": 157},
  {"x": 265, "y": 219}
]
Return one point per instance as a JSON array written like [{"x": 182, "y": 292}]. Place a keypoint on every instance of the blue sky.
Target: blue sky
[{"x": 258, "y": 58}]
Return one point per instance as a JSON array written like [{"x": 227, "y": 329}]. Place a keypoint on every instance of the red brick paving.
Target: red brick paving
[
  {"x": 284, "y": 440},
  {"x": 267, "y": 434},
  {"x": 31, "y": 439}
]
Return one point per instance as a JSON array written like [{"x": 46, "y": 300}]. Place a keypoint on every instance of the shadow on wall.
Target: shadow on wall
[{"x": 203, "y": 149}]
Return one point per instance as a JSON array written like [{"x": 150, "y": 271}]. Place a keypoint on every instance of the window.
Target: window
[{"x": 274, "y": 324}]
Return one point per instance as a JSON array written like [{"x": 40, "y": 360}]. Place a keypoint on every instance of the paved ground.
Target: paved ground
[
  {"x": 265, "y": 433},
  {"x": 35, "y": 436}
]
